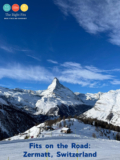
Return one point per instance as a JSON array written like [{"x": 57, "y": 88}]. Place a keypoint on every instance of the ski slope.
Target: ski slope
[{"x": 106, "y": 149}]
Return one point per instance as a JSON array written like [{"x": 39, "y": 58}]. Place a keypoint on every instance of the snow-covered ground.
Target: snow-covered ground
[
  {"x": 105, "y": 149},
  {"x": 78, "y": 128}
]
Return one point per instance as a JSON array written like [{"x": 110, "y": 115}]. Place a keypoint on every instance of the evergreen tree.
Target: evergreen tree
[{"x": 60, "y": 125}]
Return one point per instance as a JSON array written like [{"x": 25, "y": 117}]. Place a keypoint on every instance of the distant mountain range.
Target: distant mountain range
[
  {"x": 27, "y": 107},
  {"x": 56, "y": 100}
]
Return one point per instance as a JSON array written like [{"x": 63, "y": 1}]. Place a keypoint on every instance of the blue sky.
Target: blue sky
[{"x": 76, "y": 41}]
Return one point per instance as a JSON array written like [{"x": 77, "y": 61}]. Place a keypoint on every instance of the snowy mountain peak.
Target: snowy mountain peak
[
  {"x": 56, "y": 88},
  {"x": 56, "y": 95},
  {"x": 55, "y": 85}
]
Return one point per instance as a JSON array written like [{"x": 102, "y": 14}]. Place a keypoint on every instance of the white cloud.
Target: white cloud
[
  {"x": 69, "y": 72},
  {"x": 11, "y": 48},
  {"x": 51, "y": 61},
  {"x": 95, "y": 16},
  {"x": 71, "y": 64},
  {"x": 86, "y": 76},
  {"x": 94, "y": 69},
  {"x": 29, "y": 73},
  {"x": 34, "y": 57},
  {"x": 80, "y": 72},
  {"x": 115, "y": 82},
  {"x": 7, "y": 49}
]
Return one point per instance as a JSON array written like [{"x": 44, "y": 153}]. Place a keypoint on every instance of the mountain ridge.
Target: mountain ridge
[{"x": 107, "y": 108}]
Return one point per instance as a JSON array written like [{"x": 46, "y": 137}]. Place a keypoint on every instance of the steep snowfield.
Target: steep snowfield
[
  {"x": 108, "y": 104},
  {"x": 89, "y": 98},
  {"x": 78, "y": 128}
]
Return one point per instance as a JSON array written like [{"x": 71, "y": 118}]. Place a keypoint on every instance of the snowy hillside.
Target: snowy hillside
[
  {"x": 22, "y": 99},
  {"x": 97, "y": 138},
  {"x": 107, "y": 108},
  {"x": 78, "y": 128}
]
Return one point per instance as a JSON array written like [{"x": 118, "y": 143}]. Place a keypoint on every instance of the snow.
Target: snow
[
  {"x": 56, "y": 95},
  {"x": 106, "y": 150},
  {"x": 37, "y": 102},
  {"x": 23, "y": 99},
  {"x": 64, "y": 129},
  {"x": 108, "y": 103},
  {"x": 78, "y": 129},
  {"x": 89, "y": 98},
  {"x": 15, "y": 147},
  {"x": 41, "y": 102}
]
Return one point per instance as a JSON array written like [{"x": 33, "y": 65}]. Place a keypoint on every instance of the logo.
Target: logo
[
  {"x": 6, "y": 7},
  {"x": 14, "y": 14},
  {"x": 24, "y": 7},
  {"x": 15, "y": 7}
]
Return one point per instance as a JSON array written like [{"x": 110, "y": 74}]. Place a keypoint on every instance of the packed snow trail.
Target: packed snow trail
[{"x": 106, "y": 149}]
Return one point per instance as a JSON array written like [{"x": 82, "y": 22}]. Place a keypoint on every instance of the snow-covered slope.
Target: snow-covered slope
[
  {"x": 81, "y": 134},
  {"x": 78, "y": 128},
  {"x": 106, "y": 149},
  {"x": 89, "y": 98},
  {"x": 22, "y": 99},
  {"x": 107, "y": 108}
]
